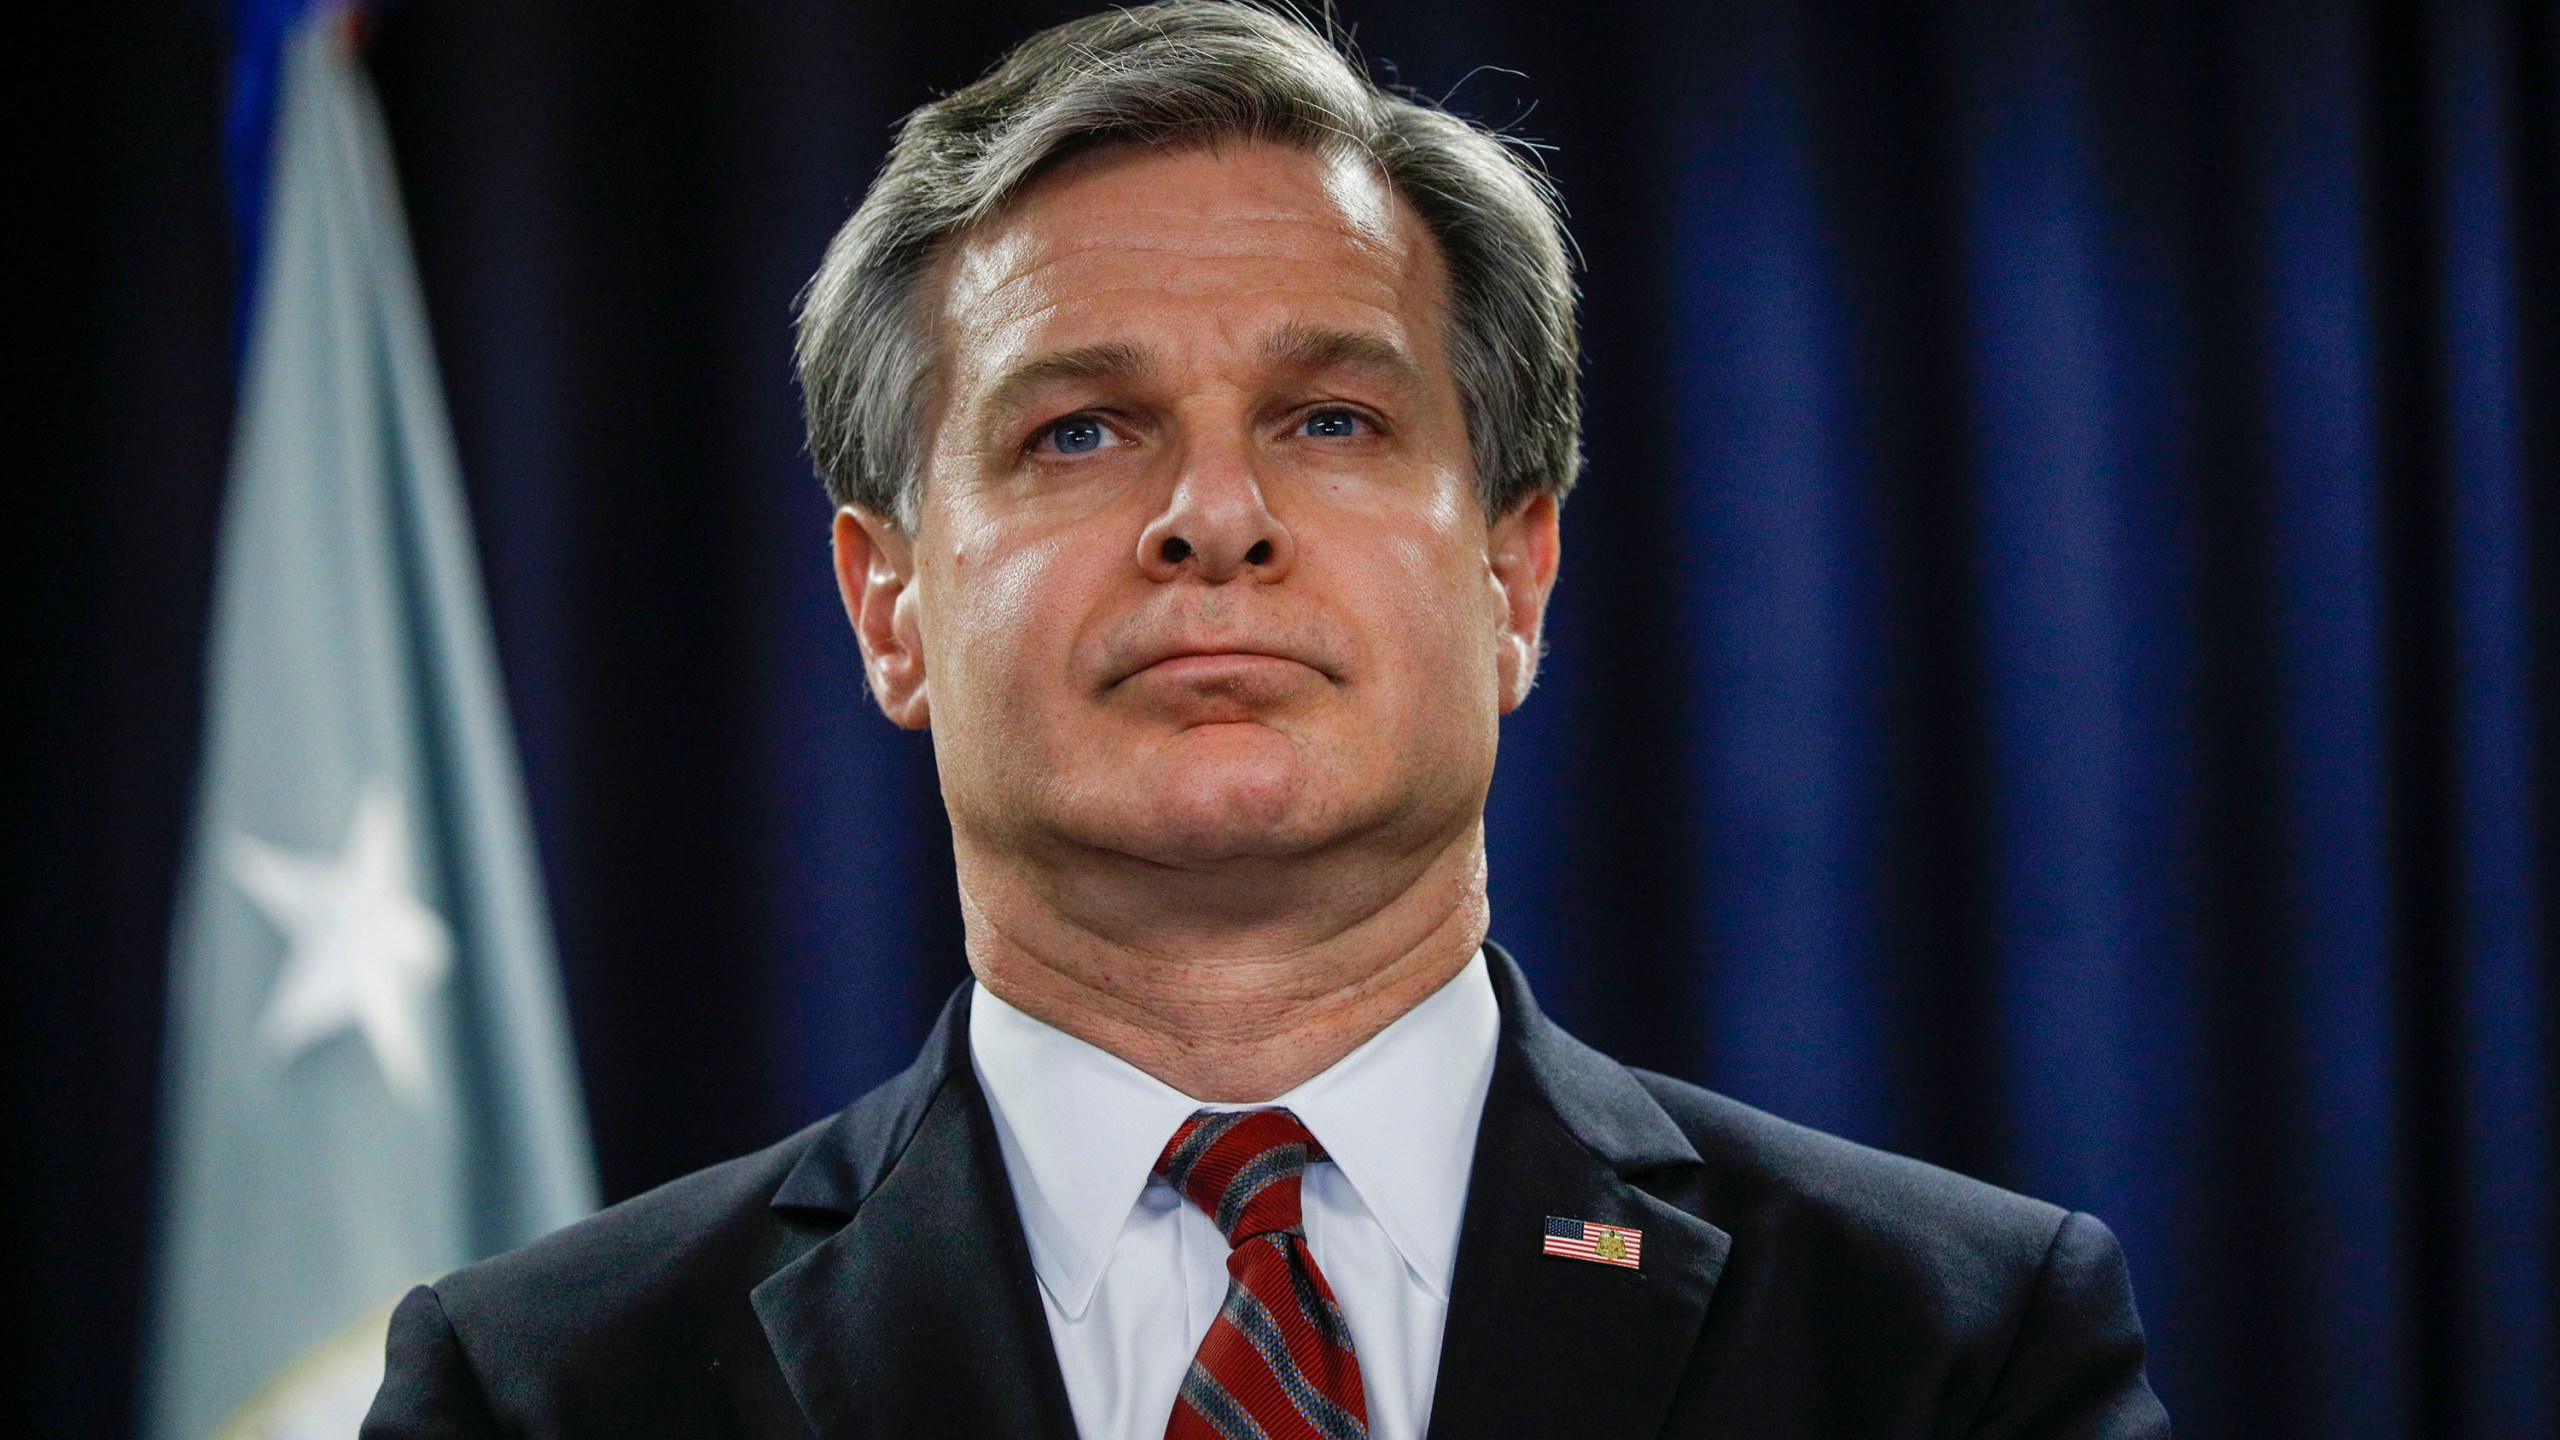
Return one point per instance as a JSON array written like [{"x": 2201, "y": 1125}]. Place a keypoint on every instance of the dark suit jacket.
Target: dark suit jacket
[{"x": 868, "y": 1277}]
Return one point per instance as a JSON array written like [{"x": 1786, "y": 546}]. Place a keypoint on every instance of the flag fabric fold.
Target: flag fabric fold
[{"x": 368, "y": 1077}]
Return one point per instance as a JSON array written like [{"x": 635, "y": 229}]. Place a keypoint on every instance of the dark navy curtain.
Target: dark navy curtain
[{"x": 2054, "y": 671}]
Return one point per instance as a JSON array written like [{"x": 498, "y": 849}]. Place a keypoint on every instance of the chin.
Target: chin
[
  {"x": 1243, "y": 796},
  {"x": 1214, "y": 822}
]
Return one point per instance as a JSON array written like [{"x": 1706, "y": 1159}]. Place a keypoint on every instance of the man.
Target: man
[{"x": 1197, "y": 417}]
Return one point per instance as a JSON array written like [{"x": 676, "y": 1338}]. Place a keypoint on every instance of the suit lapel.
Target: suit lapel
[
  {"x": 1537, "y": 1345},
  {"x": 921, "y": 1315}
]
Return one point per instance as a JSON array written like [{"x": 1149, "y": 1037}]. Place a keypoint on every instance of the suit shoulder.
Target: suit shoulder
[
  {"x": 1862, "y": 1281},
  {"x": 1791, "y": 1181},
  {"x": 626, "y": 1318},
  {"x": 746, "y": 1215},
  {"x": 710, "y": 1221},
  {"x": 641, "y": 1317}
]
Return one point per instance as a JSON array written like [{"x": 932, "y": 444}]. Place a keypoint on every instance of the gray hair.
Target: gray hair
[{"x": 1189, "y": 72}]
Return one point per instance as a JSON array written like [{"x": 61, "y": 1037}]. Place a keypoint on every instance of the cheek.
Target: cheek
[
  {"x": 1429, "y": 603},
  {"x": 1447, "y": 558},
  {"x": 987, "y": 620}
]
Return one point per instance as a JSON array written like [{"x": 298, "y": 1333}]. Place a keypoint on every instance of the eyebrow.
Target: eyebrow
[
  {"x": 1305, "y": 348},
  {"x": 1313, "y": 347},
  {"x": 1110, "y": 360}
]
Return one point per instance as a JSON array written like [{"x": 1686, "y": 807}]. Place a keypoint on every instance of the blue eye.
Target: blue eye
[
  {"x": 1078, "y": 435},
  {"x": 1332, "y": 425}
]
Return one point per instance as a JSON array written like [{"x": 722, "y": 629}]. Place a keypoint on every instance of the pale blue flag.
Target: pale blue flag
[{"x": 369, "y": 1079}]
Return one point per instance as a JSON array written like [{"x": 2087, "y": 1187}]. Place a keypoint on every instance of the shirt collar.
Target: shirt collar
[{"x": 1081, "y": 1128}]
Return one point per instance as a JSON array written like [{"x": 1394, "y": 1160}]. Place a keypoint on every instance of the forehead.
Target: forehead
[{"x": 1191, "y": 254}]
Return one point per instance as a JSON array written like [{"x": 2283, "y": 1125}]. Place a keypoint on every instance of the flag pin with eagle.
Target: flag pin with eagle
[{"x": 1600, "y": 1244}]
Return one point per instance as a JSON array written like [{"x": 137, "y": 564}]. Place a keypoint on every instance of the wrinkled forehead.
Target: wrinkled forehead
[{"x": 1262, "y": 234}]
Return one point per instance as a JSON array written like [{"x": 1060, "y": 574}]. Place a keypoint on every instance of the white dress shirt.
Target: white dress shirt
[{"x": 1131, "y": 1274}]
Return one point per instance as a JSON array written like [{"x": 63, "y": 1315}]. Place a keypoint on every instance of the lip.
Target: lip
[{"x": 1210, "y": 662}]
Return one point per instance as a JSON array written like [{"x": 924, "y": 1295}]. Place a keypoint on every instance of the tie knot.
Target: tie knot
[{"x": 1242, "y": 1168}]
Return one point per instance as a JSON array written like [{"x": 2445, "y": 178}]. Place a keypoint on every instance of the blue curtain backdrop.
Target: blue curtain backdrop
[{"x": 2054, "y": 671}]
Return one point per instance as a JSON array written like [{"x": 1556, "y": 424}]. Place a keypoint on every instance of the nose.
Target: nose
[{"x": 1217, "y": 525}]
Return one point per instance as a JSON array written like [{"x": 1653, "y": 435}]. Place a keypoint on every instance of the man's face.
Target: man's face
[{"x": 1199, "y": 574}]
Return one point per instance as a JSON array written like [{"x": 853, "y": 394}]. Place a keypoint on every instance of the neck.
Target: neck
[{"x": 1230, "y": 987}]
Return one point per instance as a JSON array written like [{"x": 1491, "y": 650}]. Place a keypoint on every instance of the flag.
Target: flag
[
  {"x": 368, "y": 1078},
  {"x": 1583, "y": 1240}
]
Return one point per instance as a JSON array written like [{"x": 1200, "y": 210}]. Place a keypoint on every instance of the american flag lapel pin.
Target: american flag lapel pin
[{"x": 1600, "y": 1244}]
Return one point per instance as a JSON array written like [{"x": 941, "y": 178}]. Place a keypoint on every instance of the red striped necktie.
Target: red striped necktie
[{"x": 1277, "y": 1363}]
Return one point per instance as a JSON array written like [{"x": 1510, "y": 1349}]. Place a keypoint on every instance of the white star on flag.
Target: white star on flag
[{"x": 361, "y": 950}]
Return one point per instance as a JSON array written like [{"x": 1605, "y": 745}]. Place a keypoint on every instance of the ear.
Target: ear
[
  {"x": 1522, "y": 551},
  {"x": 875, "y": 572}
]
